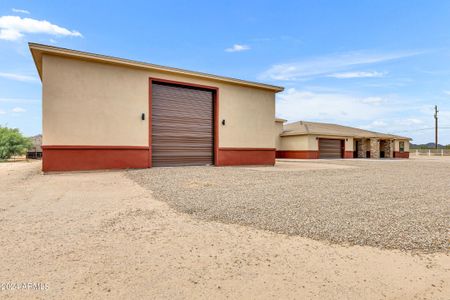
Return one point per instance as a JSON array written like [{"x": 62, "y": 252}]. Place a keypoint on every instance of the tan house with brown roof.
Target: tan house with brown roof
[{"x": 310, "y": 140}]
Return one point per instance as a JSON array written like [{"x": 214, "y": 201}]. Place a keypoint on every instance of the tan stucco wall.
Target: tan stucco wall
[
  {"x": 309, "y": 142},
  {"x": 397, "y": 145},
  {"x": 249, "y": 115},
  {"x": 92, "y": 104},
  {"x": 298, "y": 142},
  {"x": 313, "y": 143},
  {"x": 87, "y": 103},
  {"x": 349, "y": 144},
  {"x": 278, "y": 130}
]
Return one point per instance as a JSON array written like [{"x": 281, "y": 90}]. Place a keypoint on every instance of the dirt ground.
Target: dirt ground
[{"x": 96, "y": 235}]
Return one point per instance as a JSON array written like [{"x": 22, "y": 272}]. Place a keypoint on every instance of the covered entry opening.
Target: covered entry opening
[
  {"x": 331, "y": 148},
  {"x": 182, "y": 124},
  {"x": 362, "y": 148},
  {"x": 383, "y": 153},
  {"x": 386, "y": 149}
]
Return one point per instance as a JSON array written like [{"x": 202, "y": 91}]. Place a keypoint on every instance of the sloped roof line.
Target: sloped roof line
[
  {"x": 37, "y": 50},
  {"x": 306, "y": 127},
  {"x": 328, "y": 129}
]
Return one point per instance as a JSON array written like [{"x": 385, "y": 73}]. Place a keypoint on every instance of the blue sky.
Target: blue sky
[{"x": 380, "y": 65}]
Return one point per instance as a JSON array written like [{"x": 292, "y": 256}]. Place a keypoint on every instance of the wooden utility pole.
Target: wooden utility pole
[{"x": 436, "y": 126}]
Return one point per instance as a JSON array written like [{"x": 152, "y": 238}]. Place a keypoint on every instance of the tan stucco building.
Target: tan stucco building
[
  {"x": 101, "y": 112},
  {"x": 311, "y": 140}
]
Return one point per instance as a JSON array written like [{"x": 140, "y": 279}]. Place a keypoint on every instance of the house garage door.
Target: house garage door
[
  {"x": 329, "y": 148},
  {"x": 182, "y": 126}
]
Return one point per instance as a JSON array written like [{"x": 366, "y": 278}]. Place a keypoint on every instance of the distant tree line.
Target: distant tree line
[{"x": 428, "y": 146}]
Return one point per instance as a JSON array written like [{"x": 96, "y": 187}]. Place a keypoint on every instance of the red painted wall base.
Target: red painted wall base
[
  {"x": 401, "y": 154},
  {"x": 348, "y": 154},
  {"x": 80, "y": 158},
  {"x": 245, "y": 156},
  {"x": 301, "y": 154}
]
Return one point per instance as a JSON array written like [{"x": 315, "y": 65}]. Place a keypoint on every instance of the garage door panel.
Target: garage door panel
[
  {"x": 175, "y": 120},
  {"x": 182, "y": 126},
  {"x": 178, "y": 140},
  {"x": 330, "y": 148},
  {"x": 183, "y": 111}
]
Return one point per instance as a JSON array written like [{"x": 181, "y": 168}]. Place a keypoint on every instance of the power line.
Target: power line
[{"x": 422, "y": 129}]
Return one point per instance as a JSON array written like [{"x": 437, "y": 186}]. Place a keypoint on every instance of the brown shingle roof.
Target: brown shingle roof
[{"x": 304, "y": 128}]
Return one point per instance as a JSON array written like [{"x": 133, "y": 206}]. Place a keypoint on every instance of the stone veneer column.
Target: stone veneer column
[
  {"x": 385, "y": 146},
  {"x": 362, "y": 148},
  {"x": 374, "y": 148},
  {"x": 391, "y": 149}
]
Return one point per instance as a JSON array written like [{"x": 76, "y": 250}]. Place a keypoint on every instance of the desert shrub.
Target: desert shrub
[{"x": 12, "y": 143}]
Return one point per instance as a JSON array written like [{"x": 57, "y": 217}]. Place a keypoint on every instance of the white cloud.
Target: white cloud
[
  {"x": 396, "y": 124},
  {"x": 377, "y": 124},
  {"x": 18, "y": 110},
  {"x": 21, "y": 11},
  {"x": 2, "y": 112},
  {"x": 444, "y": 116},
  {"x": 373, "y": 100},
  {"x": 18, "y": 77},
  {"x": 359, "y": 74},
  {"x": 295, "y": 105},
  {"x": 447, "y": 93},
  {"x": 13, "y": 28},
  {"x": 10, "y": 35},
  {"x": 237, "y": 48},
  {"x": 327, "y": 65},
  {"x": 349, "y": 109},
  {"x": 410, "y": 122}
]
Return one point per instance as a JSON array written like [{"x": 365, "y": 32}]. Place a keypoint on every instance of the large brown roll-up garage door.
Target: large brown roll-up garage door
[
  {"x": 182, "y": 126},
  {"x": 329, "y": 148}
]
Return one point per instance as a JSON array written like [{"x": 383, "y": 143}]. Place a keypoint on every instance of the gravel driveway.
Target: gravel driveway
[{"x": 394, "y": 204}]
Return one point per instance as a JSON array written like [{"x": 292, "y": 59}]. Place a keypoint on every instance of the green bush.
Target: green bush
[{"x": 13, "y": 143}]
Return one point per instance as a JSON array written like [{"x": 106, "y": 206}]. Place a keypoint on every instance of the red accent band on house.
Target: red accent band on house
[
  {"x": 348, "y": 154},
  {"x": 298, "y": 154},
  {"x": 398, "y": 154},
  {"x": 246, "y": 156},
  {"x": 81, "y": 158}
]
